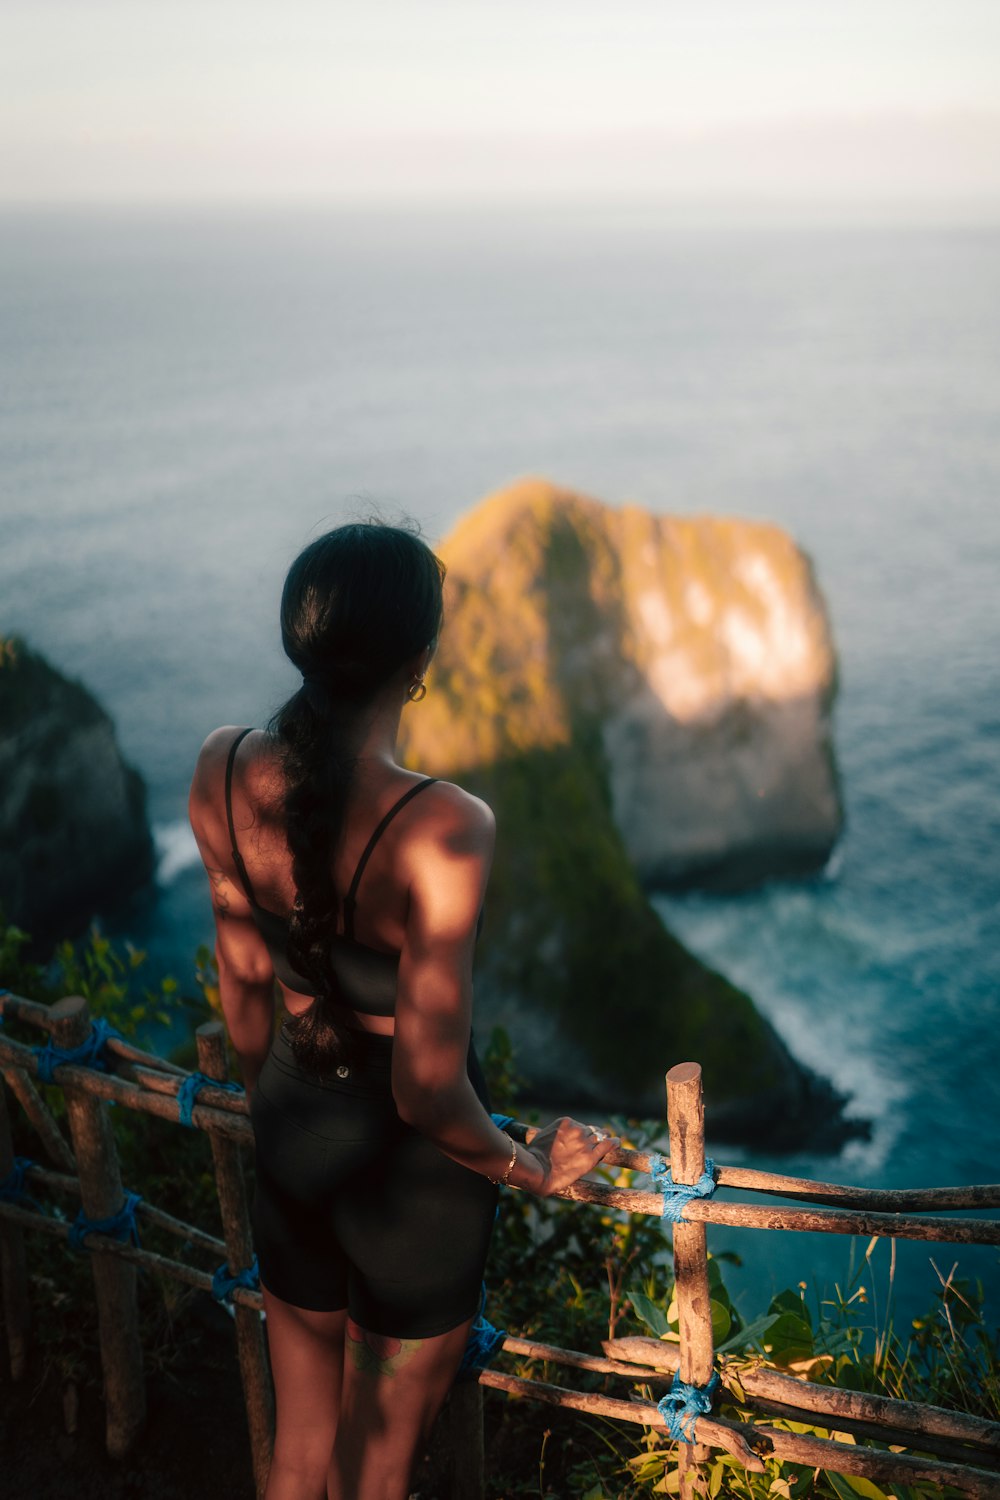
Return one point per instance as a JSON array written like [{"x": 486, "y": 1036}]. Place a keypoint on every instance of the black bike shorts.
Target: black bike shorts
[{"x": 353, "y": 1208}]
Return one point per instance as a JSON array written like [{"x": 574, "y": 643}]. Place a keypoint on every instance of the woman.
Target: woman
[{"x": 358, "y": 885}]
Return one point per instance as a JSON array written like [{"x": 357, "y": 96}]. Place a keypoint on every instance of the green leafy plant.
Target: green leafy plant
[
  {"x": 105, "y": 974},
  {"x": 948, "y": 1358},
  {"x": 109, "y": 975},
  {"x": 502, "y": 1079}
]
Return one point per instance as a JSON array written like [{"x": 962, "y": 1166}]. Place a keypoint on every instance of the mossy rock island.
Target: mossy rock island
[
  {"x": 642, "y": 700},
  {"x": 73, "y": 829}
]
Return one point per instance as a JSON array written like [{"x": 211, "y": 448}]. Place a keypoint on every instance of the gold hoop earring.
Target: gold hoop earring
[{"x": 417, "y": 690}]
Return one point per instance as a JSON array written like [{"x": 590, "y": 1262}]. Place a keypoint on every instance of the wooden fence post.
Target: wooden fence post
[
  {"x": 257, "y": 1391},
  {"x": 13, "y": 1274},
  {"x": 102, "y": 1195},
  {"x": 686, "y": 1121}
]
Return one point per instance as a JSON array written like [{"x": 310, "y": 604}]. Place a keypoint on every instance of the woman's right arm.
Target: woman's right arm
[
  {"x": 246, "y": 975},
  {"x": 446, "y": 862}
]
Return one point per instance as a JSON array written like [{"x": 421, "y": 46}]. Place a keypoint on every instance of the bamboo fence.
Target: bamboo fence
[
  {"x": 86, "y": 1170},
  {"x": 946, "y": 1448}
]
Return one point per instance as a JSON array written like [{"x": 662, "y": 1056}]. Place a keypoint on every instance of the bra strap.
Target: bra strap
[
  {"x": 350, "y": 900},
  {"x": 241, "y": 868}
]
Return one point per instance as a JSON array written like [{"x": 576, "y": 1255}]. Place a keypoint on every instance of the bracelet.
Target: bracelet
[{"x": 505, "y": 1179}]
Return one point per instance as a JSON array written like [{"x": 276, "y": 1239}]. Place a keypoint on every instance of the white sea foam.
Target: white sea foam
[
  {"x": 176, "y": 849},
  {"x": 836, "y": 1038},
  {"x": 834, "y": 1050}
]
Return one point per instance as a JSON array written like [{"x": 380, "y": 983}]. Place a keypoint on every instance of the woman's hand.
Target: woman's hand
[{"x": 565, "y": 1150}]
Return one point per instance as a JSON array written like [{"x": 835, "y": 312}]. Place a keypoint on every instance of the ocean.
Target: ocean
[{"x": 189, "y": 396}]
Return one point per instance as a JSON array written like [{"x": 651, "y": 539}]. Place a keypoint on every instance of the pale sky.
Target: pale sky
[{"x": 165, "y": 100}]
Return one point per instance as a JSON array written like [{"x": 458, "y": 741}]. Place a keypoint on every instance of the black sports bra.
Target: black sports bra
[{"x": 367, "y": 977}]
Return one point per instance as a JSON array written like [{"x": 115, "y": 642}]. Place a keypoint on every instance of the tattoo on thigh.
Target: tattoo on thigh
[{"x": 376, "y": 1353}]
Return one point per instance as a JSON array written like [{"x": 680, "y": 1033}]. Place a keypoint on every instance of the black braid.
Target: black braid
[
  {"x": 317, "y": 784},
  {"x": 359, "y": 605}
]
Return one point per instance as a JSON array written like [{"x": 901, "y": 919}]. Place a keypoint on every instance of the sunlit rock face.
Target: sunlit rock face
[
  {"x": 641, "y": 700},
  {"x": 718, "y": 738},
  {"x": 73, "y": 830},
  {"x": 699, "y": 650}
]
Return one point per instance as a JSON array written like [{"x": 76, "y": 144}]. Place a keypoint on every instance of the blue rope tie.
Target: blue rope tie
[
  {"x": 12, "y": 1188},
  {"x": 684, "y": 1404},
  {"x": 483, "y": 1342},
  {"x": 677, "y": 1195},
  {"x": 89, "y": 1054},
  {"x": 192, "y": 1087},
  {"x": 120, "y": 1226},
  {"x": 224, "y": 1284},
  {"x": 502, "y": 1121}
]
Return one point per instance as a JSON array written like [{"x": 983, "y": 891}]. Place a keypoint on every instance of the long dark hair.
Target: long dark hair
[{"x": 359, "y": 604}]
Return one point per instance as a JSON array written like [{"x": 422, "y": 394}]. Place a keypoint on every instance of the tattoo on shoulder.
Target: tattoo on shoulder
[
  {"x": 376, "y": 1353},
  {"x": 219, "y": 898}
]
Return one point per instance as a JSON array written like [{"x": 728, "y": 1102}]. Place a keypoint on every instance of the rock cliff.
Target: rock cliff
[
  {"x": 73, "y": 828},
  {"x": 641, "y": 699}
]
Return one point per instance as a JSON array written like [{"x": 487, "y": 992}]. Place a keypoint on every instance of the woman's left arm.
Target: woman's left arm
[
  {"x": 246, "y": 974},
  {"x": 446, "y": 860}
]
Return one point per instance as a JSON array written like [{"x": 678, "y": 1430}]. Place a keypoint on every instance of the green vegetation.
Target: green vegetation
[
  {"x": 106, "y": 976},
  {"x": 570, "y": 931}
]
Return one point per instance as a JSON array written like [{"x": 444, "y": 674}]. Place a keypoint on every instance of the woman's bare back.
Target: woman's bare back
[{"x": 379, "y": 790}]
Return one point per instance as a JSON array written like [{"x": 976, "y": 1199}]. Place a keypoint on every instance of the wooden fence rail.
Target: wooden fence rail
[
  {"x": 967, "y": 1448},
  {"x": 951, "y": 1448}
]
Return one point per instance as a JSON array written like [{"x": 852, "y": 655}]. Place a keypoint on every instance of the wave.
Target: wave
[
  {"x": 808, "y": 964},
  {"x": 834, "y": 1051},
  {"x": 176, "y": 850}
]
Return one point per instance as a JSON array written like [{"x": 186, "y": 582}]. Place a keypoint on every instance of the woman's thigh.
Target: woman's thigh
[
  {"x": 306, "y": 1351},
  {"x": 393, "y": 1390}
]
